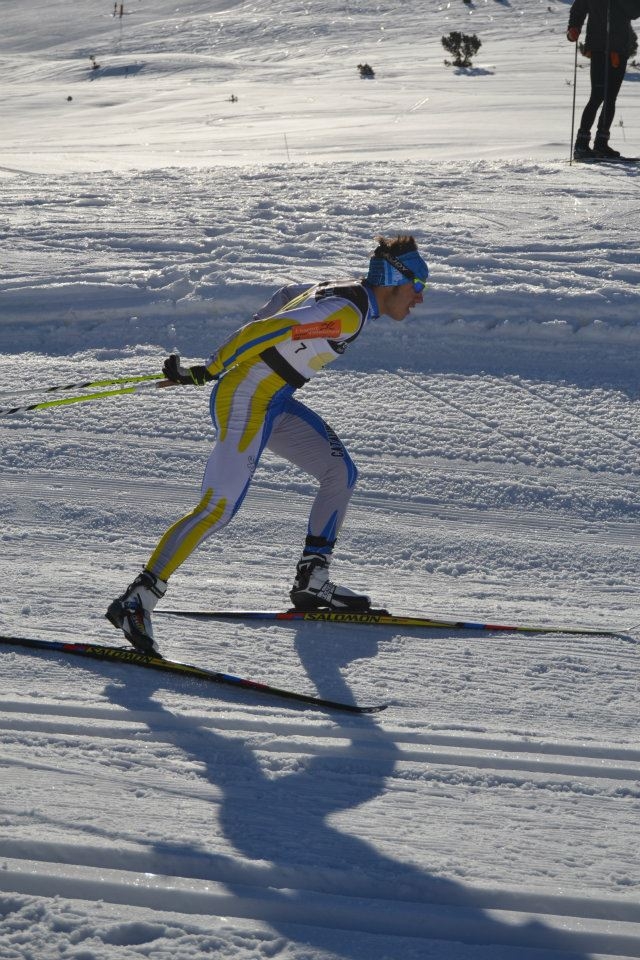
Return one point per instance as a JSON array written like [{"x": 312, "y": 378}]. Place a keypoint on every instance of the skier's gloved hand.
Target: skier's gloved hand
[
  {"x": 198, "y": 375},
  {"x": 572, "y": 34}
]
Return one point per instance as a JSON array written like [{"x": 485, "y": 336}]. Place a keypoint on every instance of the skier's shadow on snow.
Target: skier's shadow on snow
[{"x": 352, "y": 899}]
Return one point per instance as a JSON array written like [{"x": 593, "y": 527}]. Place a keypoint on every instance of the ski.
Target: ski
[
  {"x": 128, "y": 655},
  {"x": 610, "y": 160},
  {"x": 382, "y": 618}
]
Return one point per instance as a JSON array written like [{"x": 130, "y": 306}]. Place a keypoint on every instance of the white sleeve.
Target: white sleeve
[{"x": 280, "y": 299}]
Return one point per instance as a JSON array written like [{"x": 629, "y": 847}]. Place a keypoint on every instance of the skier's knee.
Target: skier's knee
[
  {"x": 212, "y": 513},
  {"x": 352, "y": 471},
  {"x": 341, "y": 473}
]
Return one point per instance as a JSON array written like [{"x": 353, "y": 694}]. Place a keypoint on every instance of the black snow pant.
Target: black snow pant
[{"x": 606, "y": 81}]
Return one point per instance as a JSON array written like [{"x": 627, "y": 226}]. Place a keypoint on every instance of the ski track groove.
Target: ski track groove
[
  {"x": 472, "y": 915},
  {"x": 479, "y": 760},
  {"x": 472, "y": 753},
  {"x": 124, "y": 722},
  {"x": 346, "y": 913},
  {"x": 243, "y": 719},
  {"x": 49, "y": 487}
]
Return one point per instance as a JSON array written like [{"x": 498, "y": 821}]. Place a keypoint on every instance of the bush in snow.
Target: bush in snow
[{"x": 462, "y": 47}]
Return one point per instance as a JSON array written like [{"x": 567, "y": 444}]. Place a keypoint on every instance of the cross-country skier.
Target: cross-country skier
[
  {"x": 608, "y": 42},
  {"x": 257, "y": 371}
]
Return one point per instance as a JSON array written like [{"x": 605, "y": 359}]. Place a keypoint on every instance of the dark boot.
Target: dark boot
[
  {"x": 312, "y": 589},
  {"x": 602, "y": 150},
  {"x": 582, "y": 150},
  {"x": 131, "y": 612}
]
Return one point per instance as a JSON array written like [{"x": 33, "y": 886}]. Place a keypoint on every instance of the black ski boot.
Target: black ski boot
[
  {"x": 582, "y": 150},
  {"x": 312, "y": 589},
  {"x": 131, "y": 612},
  {"x": 602, "y": 150}
]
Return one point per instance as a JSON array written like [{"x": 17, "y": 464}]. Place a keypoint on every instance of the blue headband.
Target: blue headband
[{"x": 382, "y": 274}]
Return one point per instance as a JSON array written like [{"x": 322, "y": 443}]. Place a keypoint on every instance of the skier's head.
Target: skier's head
[
  {"x": 398, "y": 275},
  {"x": 397, "y": 261}
]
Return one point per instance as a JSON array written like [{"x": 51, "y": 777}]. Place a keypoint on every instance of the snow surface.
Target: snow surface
[{"x": 492, "y": 810}]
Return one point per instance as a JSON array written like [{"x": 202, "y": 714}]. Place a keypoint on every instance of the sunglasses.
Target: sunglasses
[{"x": 418, "y": 285}]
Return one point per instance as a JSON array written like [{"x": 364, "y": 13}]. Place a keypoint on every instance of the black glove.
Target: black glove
[{"x": 198, "y": 375}]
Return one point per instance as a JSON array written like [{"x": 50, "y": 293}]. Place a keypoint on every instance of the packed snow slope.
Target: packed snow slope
[
  {"x": 223, "y": 82},
  {"x": 219, "y": 149}
]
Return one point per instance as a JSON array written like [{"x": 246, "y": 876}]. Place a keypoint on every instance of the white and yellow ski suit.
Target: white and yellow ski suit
[{"x": 298, "y": 332}]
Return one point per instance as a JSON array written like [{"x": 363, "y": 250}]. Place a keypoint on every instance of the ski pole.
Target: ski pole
[
  {"x": 573, "y": 111},
  {"x": 64, "y": 401},
  {"x": 111, "y": 382},
  {"x": 604, "y": 114}
]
